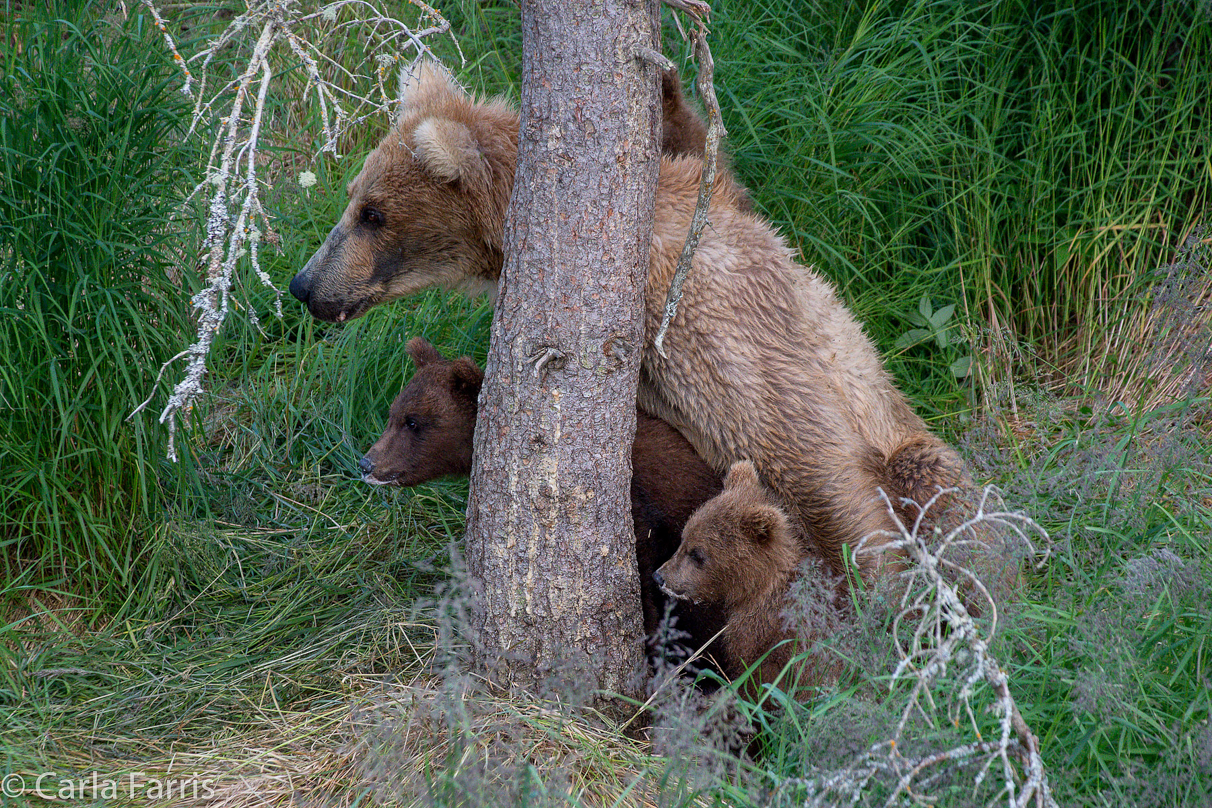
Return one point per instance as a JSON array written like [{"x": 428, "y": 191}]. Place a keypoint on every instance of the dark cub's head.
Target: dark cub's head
[
  {"x": 734, "y": 547},
  {"x": 432, "y": 422}
]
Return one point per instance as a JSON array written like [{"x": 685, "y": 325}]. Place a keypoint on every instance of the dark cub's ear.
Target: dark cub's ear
[
  {"x": 671, "y": 89},
  {"x": 761, "y": 524},
  {"x": 422, "y": 352},
  {"x": 466, "y": 379}
]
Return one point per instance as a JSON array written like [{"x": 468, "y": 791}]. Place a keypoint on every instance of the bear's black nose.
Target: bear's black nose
[
  {"x": 660, "y": 579},
  {"x": 367, "y": 465},
  {"x": 300, "y": 288}
]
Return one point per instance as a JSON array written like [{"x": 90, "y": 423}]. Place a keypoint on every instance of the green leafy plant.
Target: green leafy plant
[{"x": 937, "y": 327}]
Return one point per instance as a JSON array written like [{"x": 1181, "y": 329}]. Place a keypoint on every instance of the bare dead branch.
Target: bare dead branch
[
  {"x": 945, "y": 641},
  {"x": 655, "y": 57},
  {"x": 187, "y": 88},
  {"x": 715, "y": 132},
  {"x": 236, "y": 221}
]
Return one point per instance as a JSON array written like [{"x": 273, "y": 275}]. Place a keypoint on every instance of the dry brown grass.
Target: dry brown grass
[
  {"x": 1155, "y": 344},
  {"x": 392, "y": 742}
]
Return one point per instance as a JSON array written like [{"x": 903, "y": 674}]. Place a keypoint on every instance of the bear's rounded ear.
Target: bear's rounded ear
[
  {"x": 426, "y": 81},
  {"x": 466, "y": 378},
  {"x": 742, "y": 475},
  {"x": 763, "y": 524},
  {"x": 448, "y": 151},
  {"x": 422, "y": 352}
]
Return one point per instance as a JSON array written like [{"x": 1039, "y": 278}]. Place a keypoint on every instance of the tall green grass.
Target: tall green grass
[
  {"x": 1032, "y": 163},
  {"x": 89, "y": 173}
]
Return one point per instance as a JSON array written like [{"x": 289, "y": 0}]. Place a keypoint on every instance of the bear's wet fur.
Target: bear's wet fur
[
  {"x": 740, "y": 556},
  {"x": 762, "y": 363},
  {"x": 429, "y": 434}
]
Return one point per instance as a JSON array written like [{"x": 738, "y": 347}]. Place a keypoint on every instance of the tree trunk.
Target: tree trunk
[{"x": 549, "y": 531}]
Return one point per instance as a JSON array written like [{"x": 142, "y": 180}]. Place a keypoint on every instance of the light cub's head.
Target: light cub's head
[
  {"x": 734, "y": 547},
  {"x": 427, "y": 209},
  {"x": 432, "y": 422}
]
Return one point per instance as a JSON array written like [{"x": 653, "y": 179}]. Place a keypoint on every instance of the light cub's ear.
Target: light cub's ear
[
  {"x": 422, "y": 352},
  {"x": 762, "y": 524},
  {"x": 425, "y": 81},
  {"x": 448, "y": 151},
  {"x": 742, "y": 475}
]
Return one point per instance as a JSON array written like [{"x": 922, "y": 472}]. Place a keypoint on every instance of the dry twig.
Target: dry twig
[
  {"x": 236, "y": 222},
  {"x": 936, "y": 636}
]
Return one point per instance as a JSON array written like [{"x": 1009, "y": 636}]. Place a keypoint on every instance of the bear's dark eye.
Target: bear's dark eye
[
  {"x": 696, "y": 555},
  {"x": 410, "y": 424},
  {"x": 372, "y": 217}
]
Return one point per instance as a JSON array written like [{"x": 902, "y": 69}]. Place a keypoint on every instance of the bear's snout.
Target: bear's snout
[
  {"x": 663, "y": 584},
  {"x": 367, "y": 466},
  {"x": 300, "y": 287}
]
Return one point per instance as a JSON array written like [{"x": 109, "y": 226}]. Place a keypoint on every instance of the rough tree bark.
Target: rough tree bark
[{"x": 549, "y": 532}]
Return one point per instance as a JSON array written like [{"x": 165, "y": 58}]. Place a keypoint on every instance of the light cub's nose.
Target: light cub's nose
[
  {"x": 660, "y": 579},
  {"x": 367, "y": 465}
]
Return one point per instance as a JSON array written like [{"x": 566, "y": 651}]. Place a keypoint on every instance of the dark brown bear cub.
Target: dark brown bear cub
[
  {"x": 430, "y": 432},
  {"x": 682, "y": 129},
  {"x": 740, "y": 556}
]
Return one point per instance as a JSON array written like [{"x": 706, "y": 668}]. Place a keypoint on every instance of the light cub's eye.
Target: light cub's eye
[
  {"x": 411, "y": 425},
  {"x": 372, "y": 217},
  {"x": 696, "y": 555}
]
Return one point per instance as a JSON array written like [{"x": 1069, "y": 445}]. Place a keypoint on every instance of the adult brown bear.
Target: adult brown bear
[{"x": 763, "y": 362}]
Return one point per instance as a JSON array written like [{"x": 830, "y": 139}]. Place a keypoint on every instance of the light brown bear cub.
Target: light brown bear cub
[
  {"x": 740, "y": 556},
  {"x": 763, "y": 361},
  {"x": 430, "y": 431}
]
